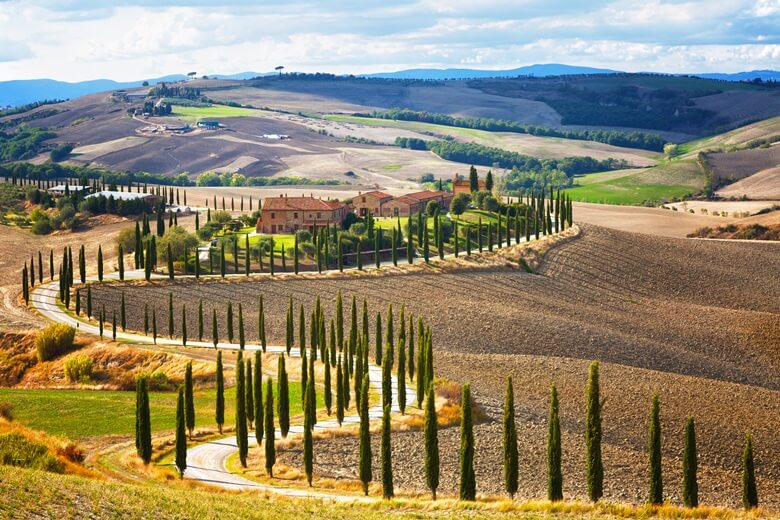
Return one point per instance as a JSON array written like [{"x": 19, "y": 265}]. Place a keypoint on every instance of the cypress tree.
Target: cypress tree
[
  {"x": 250, "y": 394},
  {"x": 340, "y": 320},
  {"x": 402, "y": 375},
  {"x": 113, "y": 325},
  {"x": 378, "y": 339},
  {"x": 51, "y": 264},
  {"x": 146, "y": 319},
  {"x": 510, "y": 441},
  {"x": 170, "y": 262},
  {"x": 261, "y": 323},
  {"x": 387, "y": 388},
  {"x": 339, "y": 392},
  {"x": 289, "y": 328},
  {"x": 214, "y": 331},
  {"x": 181, "y": 435},
  {"x": 272, "y": 260},
  {"x": 364, "y": 462},
  {"x": 241, "y": 337},
  {"x": 247, "y": 257},
  {"x": 229, "y": 320},
  {"x": 749, "y": 493},
  {"x": 308, "y": 448},
  {"x": 554, "y": 473},
  {"x": 655, "y": 496},
  {"x": 304, "y": 371},
  {"x": 468, "y": 484},
  {"x": 148, "y": 263},
  {"x": 144, "y": 426},
  {"x": 200, "y": 319},
  {"x": 311, "y": 396},
  {"x": 100, "y": 263},
  {"x": 594, "y": 465},
  {"x": 421, "y": 365},
  {"x": 284, "y": 397},
  {"x": 387, "y": 452},
  {"x": 241, "y": 426},
  {"x": 258, "y": 396},
  {"x": 479, "y": 234},
  {"x": 332, "y": 344},
  {"x": 301, "y": 330},
  {"x": 377, "y": 241},
  {"x": 154, "y": 325},
  {"x": 426, "y": 245},
  {"x": 222, "y": 261},
  {"x": 428, "y": 357},
  {"x": 102, "y": 319},
  {"x": 389, "y": 337},
  {"x": 468, "y": 240},
  {"x": 220, "y": 408},
  {"x": 270, "y": 448},
  {"x": 78, "y": 302},
  {"x": 189, "y": 399},
  {"x": 327, "y": 383},
  {"x": 690, "y": 491},
  {"x": 25, "y": 285},
  {"x": 170, "y": 315},
  {"x": 431, "y": 444},
  {"x": 82, "y": 265},
  {"x": 345, "y": 381},
  {"x": 184, "y": 325},
  {"x": 120, "y": 258},
  {"x": 410, "y": 355},
  {"x": 409, "y": 242}
]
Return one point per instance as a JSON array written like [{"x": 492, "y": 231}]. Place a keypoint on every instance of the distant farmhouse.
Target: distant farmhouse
[
  {"x": 289, "y": 214},
  {"x": 125, "y": 195},
  {"x": 67, "y": 189},
  {"x": 370, "y": 202},
  {"x": 209, "y": 125},
  {"x": 412, "y": 203},
  {"x": 461, "y": 185}
]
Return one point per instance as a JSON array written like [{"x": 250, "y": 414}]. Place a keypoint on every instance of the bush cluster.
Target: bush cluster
[{"x": 54, "y": 340}]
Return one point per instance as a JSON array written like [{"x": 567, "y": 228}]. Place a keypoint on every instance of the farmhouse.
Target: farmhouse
[
  {"x": 62, "y": 189},
  {"x": 285, "y": 214},
  {"x": 412, "y": 203},
  {"x": 371, "y": 201},
  {"x": 209, "y": 124},
  {"x": 461, "y": 185}
]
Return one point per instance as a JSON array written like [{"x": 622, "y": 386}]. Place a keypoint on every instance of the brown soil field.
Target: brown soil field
[
  {"x": 663, "y": 315},
  {"x": 764, "y": 185},
  {"x": 743, "y": 163}
]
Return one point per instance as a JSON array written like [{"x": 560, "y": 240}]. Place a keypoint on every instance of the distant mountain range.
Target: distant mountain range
[{"x": 20, "y": 92}]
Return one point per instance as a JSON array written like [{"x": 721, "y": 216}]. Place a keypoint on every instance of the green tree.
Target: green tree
[
  {"x": 339, "y": 391},
  {"x": 250, "y": 394},
  {"x": 143, "y": 421},
  {"x": 656, "y": 494},
  {"x": 241, "y": 423},
  {"x": 189, "y": 399},
  {"x": 100, "y": 263},
  {"x": 690, "y": 491},
  {"x": 261, "y": 324},
  {"x": 120, "y": 258},
  {"x": 473, "y": 180},
  {"x": 402, "y": 375},
  {"x": 200, "y": 319},
  {"x": 327, "y": 383},
  {"x": 270, "y": 448},
  {"x": 594, "y": 465},
  {"x": 258, "y": 396},
  {"x": 184, "y": 325},
  {"x": 468, "y": 484},
  {"x": 283, "y": 407},
  {"x": 181, "y": 435},
  {"x": 308, "y": 442},
  {"x": 241, "y": 336},
  {"x": 229, "y": 319},
  {"x": 510, "y": 441},
  {"x": 220, "y": 408},
  {"x": 431, "y": 444},
  {"x": 170, "y": 262},
  {"x": 387, "y": 453},
  {"x": 749, "y": 493},
  {"x": 554, "y": 472},
  {"x": 214, "y": 331},
  {"x": 364, "y": 462}
]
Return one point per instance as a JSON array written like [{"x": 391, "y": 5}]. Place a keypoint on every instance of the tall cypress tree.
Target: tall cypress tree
[
  {"x": 594, "y": 465},
  {"x": 82, "y": 264},
  {"x": 364, "y": 462},
  {"x": 327, "y": 396},
  {"x": 144, "y": 426},
  {"x": 301, "y": 330},
  {"x": 289, "y": 327},
  {"x": 690, "y": 486},
  {"x": 387, "y": 453},
  {"x": 100, "y": 263},
  {"x": 402, "y": 374},
  {"x": 189, "y": 398},
  {"x": 220, "y": 407},
  {"x": 122, "y": 312},
  {"x": 120, "y": 258},
  {"x": 270, "y": 432},
  {"x": 181, "y": 435},
  {"x": 170, "y": 262},
  {"x": 308, "y": 441},
  {"x": 468, "y": 484},
  {"x": 339, "y": 391},
  {"x": 431, "y": 432},
  {"x": 241, "y": 426},
  {"x": 241, "y": 337},
  {"x": 229, "y": 321},
  {"x": 184, "y": 325},
  {"x": 656, "y": 495},
  {"x": 261, "y": 323},
  {"x": 250, "y": 394},
  {"x": 284, "y": 397},
  {"x": 749, "y": 493},
  {"x": 214, "y": 330},
  {"x": 378, "y": 339},
  {"x": 410, "y": 355},
  {"x": 200, "y": 319},
  {"x": 510, "y": 441},
  {"x": 554, "y": 472},
  {"x": 258, "y": 397}
]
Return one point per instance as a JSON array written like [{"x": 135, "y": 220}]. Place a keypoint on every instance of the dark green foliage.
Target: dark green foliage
[
  {"x": 308, "y": 448},
  {"x": 250, "y": 394},
  {"x": 554, "y": 472},
  {"x": 387, "y": 453},
  {"x": 200, "y": 320},
  {"x": 100, "y": 263},
  {"x": 170, "y": 262},
  {"x": 220, "y": 405},
  {"x": 594, "y": 466},
  {"x": 387, "y": 386},
  {"x": 283, "y": 407},
  {"x": 270, "y": 447},
  {"x": 258, "y": 396},
  {"x": 181, "y": 435},
  {"x": 749, "y": 493},
  {"x": 143, "y": 421},
  {"x": 468, "y": 483},
  {"x": 656, "y": 493},
  {"x": 214, "y": 331},
  {"x": 690, "y": 487},
  {"x": 184, "y": 325},
  {"x": 229, "y": 319},
  {"x": 261, "y": 323},
  {"x": 189, "y": 398},
  {"x": 241, "y": 336},
  {"x": 241, "y": 424},
  {"x": 510, "y": 441},
  {"x": 328, "y": 397},
  {"x": 402, "y": 375},
  {"x": 120, "y": 258},
  {"x": 431, "y": 444},
  {"x": 364, "y": 463},
  {"x": 339, "y": 391},
  {"x": 171, "y": 327}
]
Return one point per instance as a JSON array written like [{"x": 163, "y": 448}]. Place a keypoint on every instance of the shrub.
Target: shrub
[
  {"x": 78, "y": 369},
  {"x": 41, "y": 227},
  {"x": 17, "y": 450},
  {"x": 6, "y": 410},
  {"x": 158, "y": 380},
  {"x": 126, "y": 238},
  {"x": 179, "y": 241},
  {"x": 54, "y": 340},
  {"x": 459, "y": 203}
]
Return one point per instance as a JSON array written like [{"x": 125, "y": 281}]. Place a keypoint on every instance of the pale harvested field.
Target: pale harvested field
[
  {"x": 740, "y": 108},
  {"x": 739, "y": 206},
  {"x": 654, "y": 221},
  {"x": 762, "y": 185},
  {"x": 666, "y": 315}
]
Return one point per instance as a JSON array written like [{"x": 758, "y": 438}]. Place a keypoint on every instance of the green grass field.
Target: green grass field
[
  {"x": 77, "y": 414},
  {"x": 194, "y": 114},
  {"x": 632, "y": 187}
]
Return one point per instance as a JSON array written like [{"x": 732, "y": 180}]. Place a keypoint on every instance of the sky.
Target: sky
[{"x": 76, "y": 40}]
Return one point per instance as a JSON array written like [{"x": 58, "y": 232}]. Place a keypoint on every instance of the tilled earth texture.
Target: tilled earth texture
[{"x": 698, "y": 322}]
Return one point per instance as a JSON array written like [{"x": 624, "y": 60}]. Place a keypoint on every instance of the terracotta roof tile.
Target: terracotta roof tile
[{"x": 300, "y": 204}]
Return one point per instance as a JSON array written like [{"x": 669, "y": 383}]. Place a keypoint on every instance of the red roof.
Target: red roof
[
  {"x": 377, "y": 194},
  {"x": 426, "y": 195},
  {"x": 300, "y": 204}
]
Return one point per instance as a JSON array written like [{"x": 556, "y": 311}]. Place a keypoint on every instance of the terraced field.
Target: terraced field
[{"x": 666, "y": 315}]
